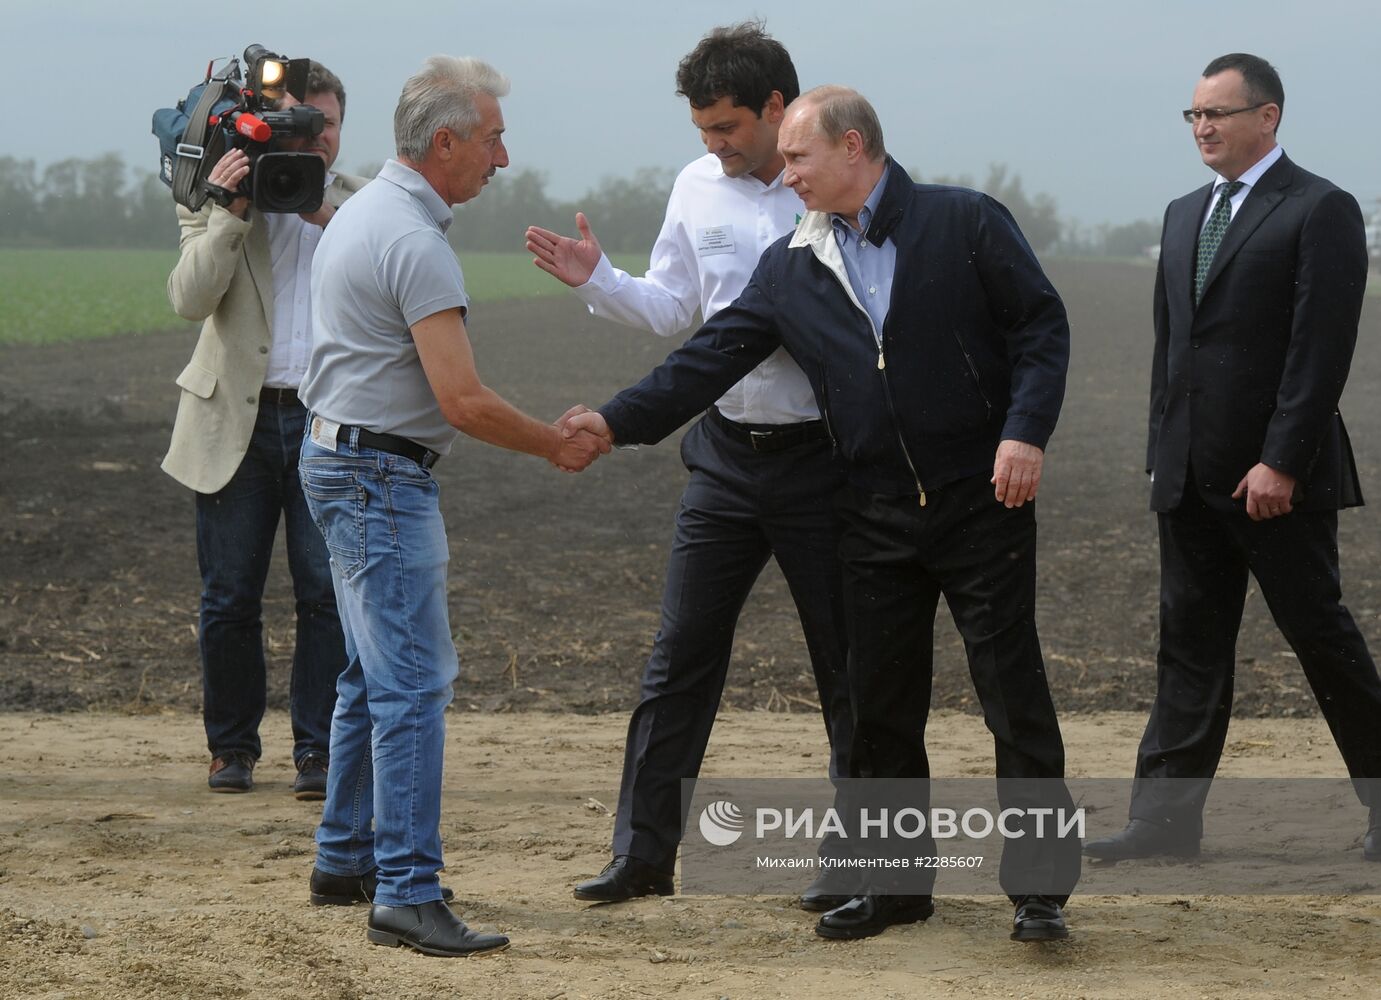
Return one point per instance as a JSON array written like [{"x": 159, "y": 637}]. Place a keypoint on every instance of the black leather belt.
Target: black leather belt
[
  {"x": 391, "y": 443},
  {"x": 769, "y": 437},
  {"x": 279, "y": 396}
]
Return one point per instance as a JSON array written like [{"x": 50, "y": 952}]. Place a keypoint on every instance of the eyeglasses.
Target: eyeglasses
[{"x": 1192, "y": 116}]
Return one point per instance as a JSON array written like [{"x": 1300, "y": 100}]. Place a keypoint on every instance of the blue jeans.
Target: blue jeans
[
  {"x": 382, "y": 523},
  {"x": 235, "y": 531}
]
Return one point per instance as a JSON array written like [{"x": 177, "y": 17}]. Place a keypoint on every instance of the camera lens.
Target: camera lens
[
  {"x": 282, "y": 186},
  {"x": 288, "y": 182}
]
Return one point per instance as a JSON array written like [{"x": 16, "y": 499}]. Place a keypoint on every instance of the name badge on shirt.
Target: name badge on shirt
[
  {"x": 714, "y": 240},
  {"x": 324, "y": 433}
]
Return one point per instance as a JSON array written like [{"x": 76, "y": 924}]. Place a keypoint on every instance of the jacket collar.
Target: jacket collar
[
  {"x": 815, "y": 227},
  {"x": 1263, "y": 198}
]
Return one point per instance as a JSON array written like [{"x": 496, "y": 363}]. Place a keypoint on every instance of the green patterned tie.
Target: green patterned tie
[{"x": 1213, "y": 235}]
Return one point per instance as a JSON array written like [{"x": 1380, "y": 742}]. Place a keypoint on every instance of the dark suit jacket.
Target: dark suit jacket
[{"x": 1254, "y": 373}]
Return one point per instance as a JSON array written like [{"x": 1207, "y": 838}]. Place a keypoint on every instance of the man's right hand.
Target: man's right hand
[
  {"x": 578, "y": 451},
  {"x": 229, "y": 171},
  {"x": 578, "y": 419},
  {"x": 572, "y": 261}
]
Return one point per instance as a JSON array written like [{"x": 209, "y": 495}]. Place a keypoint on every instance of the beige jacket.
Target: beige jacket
[{"x": 225, "y": 278}]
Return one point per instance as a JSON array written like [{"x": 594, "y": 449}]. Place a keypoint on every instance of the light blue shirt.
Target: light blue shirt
[{"x": 870, "y": 267}]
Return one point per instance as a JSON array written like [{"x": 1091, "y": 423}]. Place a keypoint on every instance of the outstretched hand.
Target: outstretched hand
[
  {"x": 571, "y": 261},
  {"x": 580, "y": 419},
  {"x": 580, "y": 446}
]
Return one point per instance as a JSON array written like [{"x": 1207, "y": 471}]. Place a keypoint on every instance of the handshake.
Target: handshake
[{"x": 584, "y": 436}]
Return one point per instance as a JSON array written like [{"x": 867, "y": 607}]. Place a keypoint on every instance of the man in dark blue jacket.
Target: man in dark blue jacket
[{"x": 937, "y": 351}]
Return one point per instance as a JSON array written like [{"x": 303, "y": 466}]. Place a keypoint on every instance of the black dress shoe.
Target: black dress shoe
[
  {"x": 231, "y": 772},
  {"x": 310, "y": 783},
  {"x": 430, "y": 928},
  {"x": 1371, "y": 843},
  {"x": 866, "y": 916},
  {"x": 823, "y": 894},
  {"x": 1143, "y": 839},
  {"x": 625, "y": 878},
  {"x": 346, "y": 890},
  {"x": 1038, "y": 919}
]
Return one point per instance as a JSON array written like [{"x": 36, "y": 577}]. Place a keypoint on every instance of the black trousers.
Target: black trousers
[
  {"x": 739, "y": 509},
  {"x": 1205, "y": 556},
  {"x": 899, "y": 558}
]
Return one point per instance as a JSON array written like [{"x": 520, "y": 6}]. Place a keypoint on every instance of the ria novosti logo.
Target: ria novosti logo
[{"x": 721, "y": 823}]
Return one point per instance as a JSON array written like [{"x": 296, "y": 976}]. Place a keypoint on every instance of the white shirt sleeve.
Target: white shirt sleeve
[{"x": 665, "y": 299}]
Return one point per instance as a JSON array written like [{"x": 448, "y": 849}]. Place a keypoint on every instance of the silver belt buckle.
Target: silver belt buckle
[{"x": 759, "y": 437}]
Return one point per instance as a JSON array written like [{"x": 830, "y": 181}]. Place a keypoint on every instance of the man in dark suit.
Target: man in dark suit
[{"x": 1257, "y": 301}]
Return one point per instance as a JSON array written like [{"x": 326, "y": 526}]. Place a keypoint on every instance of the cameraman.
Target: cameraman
[{"x": 239, "y": 427}]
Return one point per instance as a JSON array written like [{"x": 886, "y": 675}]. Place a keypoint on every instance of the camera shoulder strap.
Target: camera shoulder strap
[{"x": 202, "y": 144}]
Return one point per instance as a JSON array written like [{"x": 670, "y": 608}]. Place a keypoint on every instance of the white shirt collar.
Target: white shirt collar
[{"x": 1252, "y": 175}]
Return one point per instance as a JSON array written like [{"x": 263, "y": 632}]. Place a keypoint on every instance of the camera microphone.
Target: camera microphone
[{"x": 252, "y": 128}]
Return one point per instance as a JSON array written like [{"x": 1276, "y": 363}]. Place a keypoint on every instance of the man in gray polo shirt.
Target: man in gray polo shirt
[{"x": 390, "y": 383}]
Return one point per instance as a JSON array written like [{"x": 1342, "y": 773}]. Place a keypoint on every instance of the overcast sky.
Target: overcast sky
[{"x": 1081, "y": 98}]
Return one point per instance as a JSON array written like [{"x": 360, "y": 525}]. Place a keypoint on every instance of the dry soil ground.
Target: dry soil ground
[
  {"x": 555, "y": 582},
  {"x": 121, "y": 877}
]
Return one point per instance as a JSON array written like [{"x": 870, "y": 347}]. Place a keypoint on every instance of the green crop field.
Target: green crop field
[{"x": 54, "y": 295}]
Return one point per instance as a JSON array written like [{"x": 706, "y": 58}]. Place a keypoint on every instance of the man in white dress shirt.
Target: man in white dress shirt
[{"x": 762, "y": 468}]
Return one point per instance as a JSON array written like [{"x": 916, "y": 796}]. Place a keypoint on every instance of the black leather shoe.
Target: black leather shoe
[
  {"x": 347, "y": 890},
  {"x": 865, "y": 916},
  {"x": 1142, "y": 839},
  {"x": 310, "y": 783},
  {"x": 231, "y": 772},
  {"x": 1371, "y": 843},
  {"x": 1038, "y": 919},
  {"x": 823, "y": 894},
  {"x": 430, "y": 928},
  {"x": 625, "y": 878}
]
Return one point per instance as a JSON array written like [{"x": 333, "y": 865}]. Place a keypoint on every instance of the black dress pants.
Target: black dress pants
[
  {"x": 740, "y": 508},
  {"x": 899, "y": 558},
  {"x": 1205, "y": 556}
]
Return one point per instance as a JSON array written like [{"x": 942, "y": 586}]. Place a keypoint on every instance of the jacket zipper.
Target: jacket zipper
[
  {"x": 882, "y": 368},
  {"x": 892, "y": 412},
  {"x": 973, "y": 370},
  {"x": 825, "y": 412},
  {"x": 887, "y": 388}
]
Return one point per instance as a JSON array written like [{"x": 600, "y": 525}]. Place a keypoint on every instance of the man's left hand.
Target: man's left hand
[
  {"x": 1268, "y": 491},
  {"x": 1016, "y": 472}
]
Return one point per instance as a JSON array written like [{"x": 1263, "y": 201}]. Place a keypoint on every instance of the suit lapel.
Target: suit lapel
[
  {"x": 260, "y": 266},
  {"x": 1265, "y": 195},
  {"x": 1181, "y": 241}
]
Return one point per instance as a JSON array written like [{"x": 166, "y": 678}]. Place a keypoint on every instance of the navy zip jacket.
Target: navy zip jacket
[{"x": 973, "y": 351}]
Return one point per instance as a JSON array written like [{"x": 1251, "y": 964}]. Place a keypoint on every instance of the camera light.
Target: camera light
[{"x": 271, "y": 73}]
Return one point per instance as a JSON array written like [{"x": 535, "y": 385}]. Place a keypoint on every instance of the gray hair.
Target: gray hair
[
  {"x": 839, "y": 109},
  {"x": 442, "y": 95}
]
